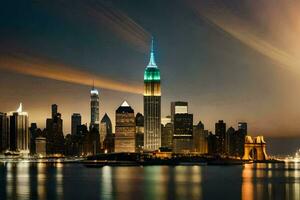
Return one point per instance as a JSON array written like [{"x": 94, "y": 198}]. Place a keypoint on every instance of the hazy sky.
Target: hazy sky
[{"x": 232, "y": 60}]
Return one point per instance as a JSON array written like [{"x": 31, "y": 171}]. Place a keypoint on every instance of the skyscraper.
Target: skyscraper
[
  {"x": 75, "y": 122},
  {"x": 178, "y": 107},
  {"x": 18, "y": 130},
  {"x": 152, "y": 105},
  {"x": 125, "y": 129},
  {"x": 241, "y": 135},
  {"x": 105, "y": 129},
  {"x": 94, "y": 108},
  {"x": 220, "y": 131},
  {"x": 182, "y": 127},
  {"x": 54, "y": 133},
  {"x": 139, "y": 130},
  {"x": 4, "y": 132}
]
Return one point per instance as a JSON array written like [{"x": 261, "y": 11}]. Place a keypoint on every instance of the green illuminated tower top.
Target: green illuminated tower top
[{"x": 152, "y": 73}]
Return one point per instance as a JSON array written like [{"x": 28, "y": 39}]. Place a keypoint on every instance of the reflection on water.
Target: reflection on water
[{"x": 25, "y": 180}]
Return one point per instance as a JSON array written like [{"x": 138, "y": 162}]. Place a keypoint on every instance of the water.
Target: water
[{"x": 74, "y": 181}]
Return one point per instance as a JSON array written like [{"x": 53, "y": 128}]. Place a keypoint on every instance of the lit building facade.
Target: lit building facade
[
  {"x": 182, "y": 127},
  {"x": 75, "y": 122},
  {"x": 94, "y": 109},
  {"x": 19, "y": 131},
  {"x": 200, "y": 137},
  {"x": 152, "y": 105},
  {"x": 105, "y": 129},
  {"x": 125, "y": 129}
]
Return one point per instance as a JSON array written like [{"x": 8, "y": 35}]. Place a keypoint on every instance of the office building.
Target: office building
[
  {"x": 125, "y": 129},
  {"x": 220, "y": 132},
  {"x": 182, "y": 127},
  {"x": 167, "y": 135},
  {"x": 4, "y": 133},
  {"x": 200, "y": 138},
  {"x": 54, "y": 133},
  {"x": 40, "y": 146},
  {"x": 105, "y": 129},
  {"x": 139, "y": 130},
  {"x": 75, "y": 122}
]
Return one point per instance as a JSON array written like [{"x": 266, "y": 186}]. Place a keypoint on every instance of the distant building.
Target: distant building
[
  {"x": 241, "y": 135},
  {"x": 33, "y": 133},
  {"x": 182, "y": 127},
  {"x": 107, "y": 138},
  {"x": 75, "y": 122},
  {"x": 40, "y": 146},
  {"x": 212, "y": 143},
  {"x": 94, "y": 108},
  {"x": 167, "y": 135},
  {"x": 91, "y": 144},
  {"x": 220, "y": 132},
  {"x": 139, "y": 130},
  {"x": 200, "y": 138},
  {"x": 152, "y": 105},
  {"x": 105, "y": 129},
  {"x": 125, "y": 129},
  {"x": 4, "y": 132},
  {"x": 54, "y": 133},
  {"x": 231, "y": 141},
  {"x": 18, "y": 131}
]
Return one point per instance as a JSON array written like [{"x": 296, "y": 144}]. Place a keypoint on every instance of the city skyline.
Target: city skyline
[{"x": 237, "y": 82}]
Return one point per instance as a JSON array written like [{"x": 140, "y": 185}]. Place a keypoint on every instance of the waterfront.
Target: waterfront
[{"x": 25, "y": 180}]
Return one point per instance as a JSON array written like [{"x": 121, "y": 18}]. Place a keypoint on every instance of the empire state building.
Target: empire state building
[{"x": 152, "y": 105}]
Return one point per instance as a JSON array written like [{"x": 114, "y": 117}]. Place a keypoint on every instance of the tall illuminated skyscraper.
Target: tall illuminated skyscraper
[
  {"x": 94, "y": 108},
  {"x": 19, "y": 132},
  {"x": 152, "y": 105}
]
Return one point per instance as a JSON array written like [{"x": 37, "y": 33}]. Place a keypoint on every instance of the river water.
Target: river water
[{"x": 74, "y": 181}]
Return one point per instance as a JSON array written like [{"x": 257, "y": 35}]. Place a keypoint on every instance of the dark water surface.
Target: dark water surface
[{"x": 74, "y": 181}]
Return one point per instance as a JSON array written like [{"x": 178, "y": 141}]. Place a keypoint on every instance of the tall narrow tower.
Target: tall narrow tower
[
  {"x": 94, "y": 108},
  {"x": 152, "y": 105}
]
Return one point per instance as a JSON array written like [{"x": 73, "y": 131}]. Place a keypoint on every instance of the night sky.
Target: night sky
[{"x": 232, "y": 60}]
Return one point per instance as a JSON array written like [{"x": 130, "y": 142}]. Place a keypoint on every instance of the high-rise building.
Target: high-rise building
[
  {"x": 182, "y": 127},
  {"x": 75, "y": 122},
  {"x": 200, "y": 137},
  {"x": 18, "y": 131},
  {"x": 54, "y": 133},
  {"x": 94, "y": 108},
  {"x": 152, "y": 105},
  {"x": 220, "y": 132},
  {"x": 167, "y": 135},
  {"x": 241, "y": 135},
  {"x": 139, "y": 130},
  {"x": 178, "y": 107},
  {"x": 125, "y": 129},
  {"x": 105, "y": 129},
  {"x": 33, "y": 133},
  {"x": 231, "y": 141},
  {"x": 4, "y": 132},
  {"x": 54, "y": 110}
]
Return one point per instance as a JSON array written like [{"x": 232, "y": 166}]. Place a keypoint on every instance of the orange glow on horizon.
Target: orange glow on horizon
[{"x": 45, "y": 69}]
